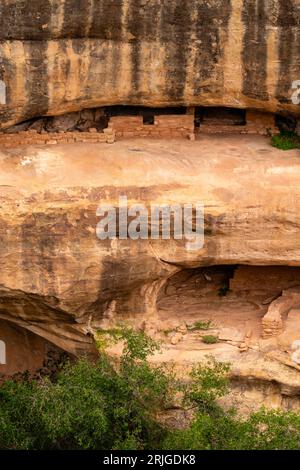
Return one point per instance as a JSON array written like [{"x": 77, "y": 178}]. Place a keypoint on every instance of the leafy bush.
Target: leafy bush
[
  {"x": 88, "y": 406},
  {"x": 206, "y": 432},
  {"x": 200, "y": 325},
  {"x": 115, "y": 406},
  {"x": 209, "y": 382},
  {"x": 286, "y": 141},
  {"x": 214, "y": 428},
  {"x": 270, "y": 429},
  {"x": 265, "y": 430},
  {"x": 210, "y": 339}
]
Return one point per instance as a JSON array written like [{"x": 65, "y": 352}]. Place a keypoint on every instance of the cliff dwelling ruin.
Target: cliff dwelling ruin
[
  {"x": 163, "y": 104},
  {"x": 108, "y": 124}
]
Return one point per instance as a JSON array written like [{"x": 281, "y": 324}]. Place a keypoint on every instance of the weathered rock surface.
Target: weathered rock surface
[
  {"x": 61, "y": 56},
  {"x": 60, "y": 281}
]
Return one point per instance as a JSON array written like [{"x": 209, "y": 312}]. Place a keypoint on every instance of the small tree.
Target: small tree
[
  {"x": 208, "y": 383},
  {"x": 89, "y": 406}
]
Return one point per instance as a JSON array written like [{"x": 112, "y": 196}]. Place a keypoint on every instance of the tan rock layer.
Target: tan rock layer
[
  {"x": 59, "y": 56},
  {"x": 59, "y": 279}
]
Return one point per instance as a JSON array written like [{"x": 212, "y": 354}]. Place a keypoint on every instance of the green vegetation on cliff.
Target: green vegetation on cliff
[
  {"x": 111, "y": 405},
  {"x": 286, "y": 141}
]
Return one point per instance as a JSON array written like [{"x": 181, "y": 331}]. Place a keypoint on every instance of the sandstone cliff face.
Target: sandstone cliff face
[
  {"x": 63, "y": 55},
  {"x": 60, "y": 281}
]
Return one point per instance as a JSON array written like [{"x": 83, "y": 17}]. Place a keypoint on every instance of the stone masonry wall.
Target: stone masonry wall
[
  {"x": 165, "y": 126},
  {"x": 257, "y": 123},
  {"x": 32, "y": 137},
  {"x": 169, "y": 126}
]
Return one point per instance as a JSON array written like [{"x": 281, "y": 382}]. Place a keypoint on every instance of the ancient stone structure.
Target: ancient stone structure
[
  {"x": 56, "y": 57},
  {"x": 61, "y": 283},
  {"x": 168, "y": 126},
  {"x": 274, "y": 318},
  {"x": 74, "y": 76},
  {"x": 32, "y": 137},
  {"x": 255, "y": 123}
]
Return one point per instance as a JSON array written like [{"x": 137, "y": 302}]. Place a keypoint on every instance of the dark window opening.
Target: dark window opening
[
  {"x": 219, "y": 116},
  {"x": 148, "y": 114},
  {"x": 120, "y": 110},
  {"x": 97, "y": 118},
  {"x": 148, "y": 119},
  {"x": 285, "y": 123}
]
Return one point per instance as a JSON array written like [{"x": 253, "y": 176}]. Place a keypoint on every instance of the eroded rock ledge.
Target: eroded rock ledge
[
  {"x": 61, "y": 56},
  {"x": 59, "y": 281}
]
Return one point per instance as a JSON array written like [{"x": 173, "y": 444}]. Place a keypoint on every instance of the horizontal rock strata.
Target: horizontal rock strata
[
  {"x": 60, "y": 56},
  {"x": 49, "y": 198}
]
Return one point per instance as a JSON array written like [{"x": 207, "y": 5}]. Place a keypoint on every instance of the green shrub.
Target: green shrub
[
  {"x": 214, "y": 428},
  {"x": 107, "y": 406},
  {"x": 208, "y": 383},
  {"x": 286, "y": 141},
  {"x": 206, "y": 432},
  {"x": 89, "y": 406},
  {"x": 210, "y": 339},
  {"x": 200, "y": 325},
  {"x": 265, "y": 430},
  {"x": 269, "y": 430}
]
